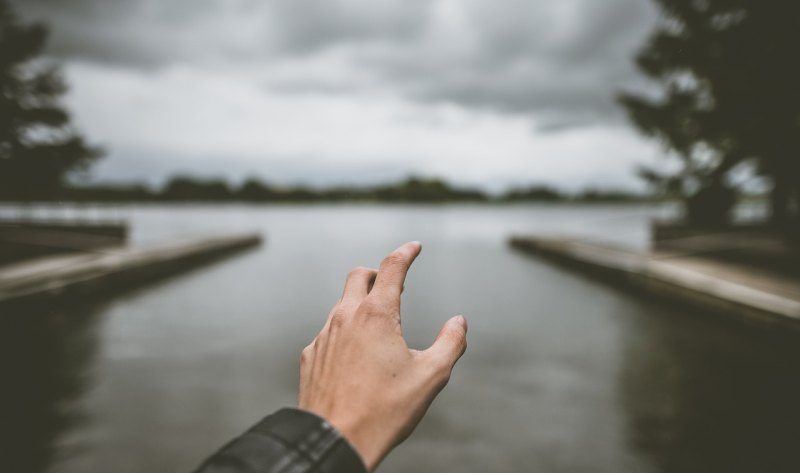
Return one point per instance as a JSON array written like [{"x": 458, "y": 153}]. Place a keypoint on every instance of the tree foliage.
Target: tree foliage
[
  {"x": 38, "y": 145},
  {"x": 730, "y": 81}
]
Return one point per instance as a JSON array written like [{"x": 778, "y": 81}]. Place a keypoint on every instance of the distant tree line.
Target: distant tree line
[{"x": 411, "y": 190}]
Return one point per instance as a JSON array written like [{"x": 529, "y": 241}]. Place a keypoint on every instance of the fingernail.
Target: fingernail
[{"x": 461, "y": 320}]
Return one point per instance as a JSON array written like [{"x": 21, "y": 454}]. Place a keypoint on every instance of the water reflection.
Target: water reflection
[
  {"x": 723, "y": 402},
  {"x": 45, "y": 364},
  {"x": 563, "y": 373}
]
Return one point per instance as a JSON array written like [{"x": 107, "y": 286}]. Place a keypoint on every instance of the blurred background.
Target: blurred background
[{"x": 185, "y": 184}]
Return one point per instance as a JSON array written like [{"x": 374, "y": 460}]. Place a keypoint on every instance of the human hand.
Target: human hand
[{"x": 360, "y": 375}]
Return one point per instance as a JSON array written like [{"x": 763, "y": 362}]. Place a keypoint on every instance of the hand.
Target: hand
[{"x": 360, "y": 375}]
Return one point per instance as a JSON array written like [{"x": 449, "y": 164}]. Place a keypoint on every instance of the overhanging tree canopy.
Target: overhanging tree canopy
[
  {"x": 38, "y": 146},
  {"x": 730, "y": 78}
]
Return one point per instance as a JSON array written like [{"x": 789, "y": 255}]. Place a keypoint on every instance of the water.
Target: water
[{"x": 563, "y": 373}]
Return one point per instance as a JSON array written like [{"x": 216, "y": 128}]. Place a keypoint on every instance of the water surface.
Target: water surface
[{"x": 563, "y": 373}]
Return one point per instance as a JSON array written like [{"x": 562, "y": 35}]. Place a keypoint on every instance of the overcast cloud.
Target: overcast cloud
[{"x": 486, "y": 92}]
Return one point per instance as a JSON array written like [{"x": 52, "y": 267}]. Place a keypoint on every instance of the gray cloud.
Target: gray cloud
[
  {"x": 150, "y": 33},
  {"x": 521, "y": 62},
  {"x": 310, "y": 25},
  {"x": 560, "y": 62}
]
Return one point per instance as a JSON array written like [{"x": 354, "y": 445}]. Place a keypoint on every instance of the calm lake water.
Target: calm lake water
[{"x": 563, "y": 373}]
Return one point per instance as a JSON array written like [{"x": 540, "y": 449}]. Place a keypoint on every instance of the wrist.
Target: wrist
[{"x": 370, "y": 444}]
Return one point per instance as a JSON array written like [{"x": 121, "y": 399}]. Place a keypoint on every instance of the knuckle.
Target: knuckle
[
  {"x": 359, "y": 271},
  {"x": 444, "y": 378},
  {"x": 305, "y": 354},
  {"x": 338, "y": 318},
  {"x": 369, "y": 306},
  {"x": 442, "y": 371},
  {"x": 372, "y": 307},
  {"x": 459, "y": 340},
  {"x": 394, "y": 258}
]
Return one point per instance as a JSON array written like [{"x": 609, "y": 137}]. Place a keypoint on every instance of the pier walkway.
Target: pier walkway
[
  {"x": 90, "y": 273},
  {"x": 753, "y": 294}
]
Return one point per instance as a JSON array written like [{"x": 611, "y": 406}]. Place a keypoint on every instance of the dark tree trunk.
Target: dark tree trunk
[
  {"x": 785, "y": 206},
  {"x": 711, "y": 206},
  {"x": 793, "y": 227},
  {"x": 779, "y": 201}
]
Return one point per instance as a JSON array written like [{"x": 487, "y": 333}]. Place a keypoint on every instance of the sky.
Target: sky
[{"x": 487, "y": 93}]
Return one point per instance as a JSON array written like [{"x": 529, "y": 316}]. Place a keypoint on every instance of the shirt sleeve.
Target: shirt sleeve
[{"x": 288, "y": 441}]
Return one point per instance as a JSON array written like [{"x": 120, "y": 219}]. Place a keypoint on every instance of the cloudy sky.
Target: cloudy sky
[{"x": 493, "y": 93}]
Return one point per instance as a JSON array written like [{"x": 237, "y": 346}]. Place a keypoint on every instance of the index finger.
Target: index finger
[{"x": 393, "y": 269}]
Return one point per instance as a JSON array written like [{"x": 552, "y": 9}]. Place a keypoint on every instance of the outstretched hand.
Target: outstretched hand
[{"x": 360, "y": 375}]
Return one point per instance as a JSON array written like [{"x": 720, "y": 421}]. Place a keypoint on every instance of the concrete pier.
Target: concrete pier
[
  {"x": 88, "y": 274},
  {"x": 25, "y": 239},
  {"x": 744, "y": 292}
]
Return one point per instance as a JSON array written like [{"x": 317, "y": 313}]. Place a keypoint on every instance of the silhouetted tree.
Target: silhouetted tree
[
  {"x": 534, "y": 193},
  {"x": 254, "y": 190},
  {"x": 38, "y": 147},
  {"x": 108, "y": 193},
  {"x": 731, "y": 92},
  {"x": 607, "y": 195},
  {"x": 419, "y": 189},
  {"x": 183, "y": 188}
]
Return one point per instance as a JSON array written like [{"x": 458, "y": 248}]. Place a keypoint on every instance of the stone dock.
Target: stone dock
[
  {"x": 744, "y": 292},
  {"x": 90, "y": 274}
]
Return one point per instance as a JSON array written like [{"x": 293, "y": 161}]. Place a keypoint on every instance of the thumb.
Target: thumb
[{"x": 450, "y": 343}]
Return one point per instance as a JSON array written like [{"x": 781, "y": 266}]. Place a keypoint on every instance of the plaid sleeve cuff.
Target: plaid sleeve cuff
[
  {"x": 315, "y": 445},
  {"x": 288, "y": 441}
]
